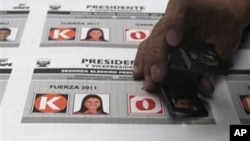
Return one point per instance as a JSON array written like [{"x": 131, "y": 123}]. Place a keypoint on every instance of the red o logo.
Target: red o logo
[
  {"x": 145, "y": 104},
  {"x": 246, "y": 103},
  {"x": 148, "y": 105},
  {"x": 138, "y": 35}
]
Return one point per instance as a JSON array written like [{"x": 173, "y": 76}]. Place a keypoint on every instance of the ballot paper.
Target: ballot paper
[
  {"x": 49, "y": 67},
  {"x": 57, "y": 93}
]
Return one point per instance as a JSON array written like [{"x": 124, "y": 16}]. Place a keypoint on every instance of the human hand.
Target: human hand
[{"x": 219, "y": 22}]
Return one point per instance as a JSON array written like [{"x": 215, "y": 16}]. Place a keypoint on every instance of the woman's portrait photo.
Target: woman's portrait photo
[
  {"x": 95, "y": 34},
  {"x": 91, "y": 104}
]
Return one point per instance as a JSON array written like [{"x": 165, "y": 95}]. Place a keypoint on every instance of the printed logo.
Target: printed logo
[
  {"x": 62, "y": 34},
  {"x": 137, "y": 35},
  {"x": 21, "y": 6},
  {"x": 245, "y": 102},
  {"x": 50, "y": 103},
  {"x": 239, "y": 132},
  {"x": 4, "y": 62},
  {"x": 148, "y": 105},
  {"x": 43, "y": 62},
  {"x": 55, "y": 7}
]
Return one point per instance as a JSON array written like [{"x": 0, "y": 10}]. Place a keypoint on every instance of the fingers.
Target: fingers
[
  {"x": 179, "y": 21},
  {"x": 151, "y": 58},
  {"x": 158, "y": 52},
  {"x": 174, "y": 21},
  {"x": 168, "y": 31},
  {"x": 226, "y": 42},
  {"x": 155, "y": 68},
  {"x": 139, "y": 61}
]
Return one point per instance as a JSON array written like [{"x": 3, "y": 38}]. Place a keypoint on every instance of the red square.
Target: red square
[
  {"x": 145, "y": 105},
  {"x": 136, "y": 35},
  {"x": 50, "y": 103},
  {"x": 245, "y": 102},
  {"x": 61, "y": 34}
]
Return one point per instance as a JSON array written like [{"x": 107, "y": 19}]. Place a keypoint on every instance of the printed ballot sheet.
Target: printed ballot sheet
[
  {"x": 119, "y": 29},
  {"x": 60, "y": 94},
  {"x": 51, "y": 72}
]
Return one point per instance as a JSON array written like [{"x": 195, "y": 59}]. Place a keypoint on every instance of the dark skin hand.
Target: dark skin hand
[{"x": 220, "y": 22}]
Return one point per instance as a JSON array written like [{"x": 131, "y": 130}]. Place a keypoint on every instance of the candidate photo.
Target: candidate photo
[
  {"x": 95, "y": 34},
  {"x": 7, "y": 34},
  {"x": 91, "y": 104}
]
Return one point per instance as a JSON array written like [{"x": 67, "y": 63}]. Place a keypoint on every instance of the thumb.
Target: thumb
[{"x": 174, "y": 19}]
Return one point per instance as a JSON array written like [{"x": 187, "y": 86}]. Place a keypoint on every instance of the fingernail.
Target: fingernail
[
  {"x": 172, "y": 38},
  {"x": 155, "y": 73}
]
